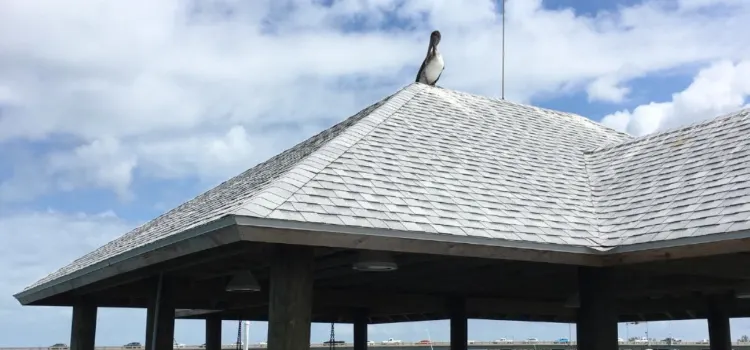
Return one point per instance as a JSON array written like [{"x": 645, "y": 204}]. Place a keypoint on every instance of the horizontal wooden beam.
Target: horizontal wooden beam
[
  {"x": 429, "y": 244},
  {"x": 723, "y": 266},
  {"x": 179, "y": 264},
  {"x": 674, "y": 250},
  {"x": 344, "y": 303}
]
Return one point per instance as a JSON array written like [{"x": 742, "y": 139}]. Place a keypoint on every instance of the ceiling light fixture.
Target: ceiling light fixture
[
  {"x": 375, "y": 261},
  {"x": 243, "y": 281}
]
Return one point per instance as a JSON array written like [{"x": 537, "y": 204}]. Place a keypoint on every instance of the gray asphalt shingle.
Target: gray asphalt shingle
[
  {"x": 686, "y": 182},
  {"x": 433, "y": 160}
]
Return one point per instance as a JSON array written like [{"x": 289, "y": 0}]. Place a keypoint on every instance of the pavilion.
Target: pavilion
[{"x": 437, "y": 204}]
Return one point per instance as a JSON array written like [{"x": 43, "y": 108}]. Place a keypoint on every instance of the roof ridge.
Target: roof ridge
[
  {"x": 670, "y": 131},
  {"x": 575, "y": 116},
  {"x": 279, "y": 190},
  {"x": 592, "y": 202}
]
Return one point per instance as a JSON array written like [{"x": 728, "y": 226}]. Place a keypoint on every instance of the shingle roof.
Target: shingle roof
[
  {"x": 428, "y": 159},
  {"x": 687, "y": 182}
]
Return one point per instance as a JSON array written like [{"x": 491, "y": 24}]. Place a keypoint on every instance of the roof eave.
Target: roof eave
[
  {"x": 680, "y": 248},
  {"x": 350, "y": 237},
  {"x": 190, "y": 241},
  {"x": 256, "y": 229}
]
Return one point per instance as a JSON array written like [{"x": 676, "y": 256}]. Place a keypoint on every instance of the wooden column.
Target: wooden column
[
  {"x": 160, "y": 317},
  {"x": 290, "y": 299},
  {"x": 213, "y": 332},
  {"x": 360, "y": 330},
  {"x": 83, "y": 330},
  {"x": 459, "y": 324},
  {"x": 150, "y": 312},
  {"x": 597, "y": 313},
  {"x": 719, "y": 332}
]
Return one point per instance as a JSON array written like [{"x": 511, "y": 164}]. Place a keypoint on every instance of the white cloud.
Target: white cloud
[
  {"x": 101, "y": 163},
  {"x": 132, "y": 100},
  {"x": 719, "y": 89},
  {"x": 34, "y": 245},
  {"x": 606, "y": 89}
]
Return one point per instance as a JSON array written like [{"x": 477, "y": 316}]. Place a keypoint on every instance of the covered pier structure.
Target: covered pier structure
[{"x": 437, "y": 204}]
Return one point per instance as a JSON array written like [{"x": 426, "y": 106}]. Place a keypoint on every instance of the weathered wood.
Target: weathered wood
[
  {"x": 385, "y": 304},
  {"x": 83, "y": 330},
  {"x": 711, "y": 267},
  {"x": 163, "y": 316},
  {"x": 459, "y": 324},
  {"x": 718, "y": 323},
  {"x": 627, "y": 255},
  {"x": 150, "y": 319},
  {"x": 182, "y": 263},
  {"x": 213, "y": 332},
  {"x": 597, "y": 314},
  {"x": 420, "y": 246},
  {"x": 145, "y": 262},
  {"x": 630, "y": 285},
  {"x": 291, "y": 295},
  {"x": 360, "y": 329}
]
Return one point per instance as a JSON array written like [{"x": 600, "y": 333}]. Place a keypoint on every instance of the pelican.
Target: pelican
[{"x": 433, "y": 65}]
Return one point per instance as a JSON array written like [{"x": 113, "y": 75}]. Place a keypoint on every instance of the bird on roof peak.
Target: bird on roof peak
[{"x": 433, "y": 65}]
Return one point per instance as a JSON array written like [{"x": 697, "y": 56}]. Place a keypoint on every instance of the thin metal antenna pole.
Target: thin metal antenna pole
[{"x": 502, "y": 90}]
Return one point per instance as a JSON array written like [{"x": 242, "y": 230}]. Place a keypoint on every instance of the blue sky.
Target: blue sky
[{"x": 112, "y": 113}]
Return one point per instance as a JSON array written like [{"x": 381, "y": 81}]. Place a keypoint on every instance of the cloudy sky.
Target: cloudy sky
[{"x": 112, "y": 112}]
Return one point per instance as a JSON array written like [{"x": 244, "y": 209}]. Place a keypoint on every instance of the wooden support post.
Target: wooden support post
[
  {"x": 213, "y": 332},
  {"x": 290, "y": 298},
  {"x": 360, "y": 330},
  {"x": 150, "y": 314},
  {"x": 719, "y": 332},
  {"x": 459, "y": 324},
  {"x": 160, "y": 317},
  {"x": 83, "y": 330},
  {"x": 597, "y": 313}
]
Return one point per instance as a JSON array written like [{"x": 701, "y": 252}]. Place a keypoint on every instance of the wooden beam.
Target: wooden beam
[
  {"x": 83, "y": 330},
  {"x": 715, "y": 266},
  {"x": 597, "y": 314},
  {"x": 434, "y": 308},
  {"x": 390, "y": 303},
  {"x": 627, "y": 255},
  {"x": 291, "y": 296},
  {"x": 718, "y": 322},
  {"x": 360, "y": 329},
  {"x": 405, "y": 262},
  {"x": 150, "y": 318},
  {"x": 324, "y": 258},
  {"x": 420, "y": 269},
  {"x": 213, "y": 332},
  {"x": 459, "y": 324},
  {"x": 490, "y": 280},
  {"x": 641, "y": 284},
  {"x": 410, "y": 245},
  {"x": 403, "y": 303},
  {"x": 163, "y": 315},
  {"x": 181, "y": 263}
]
